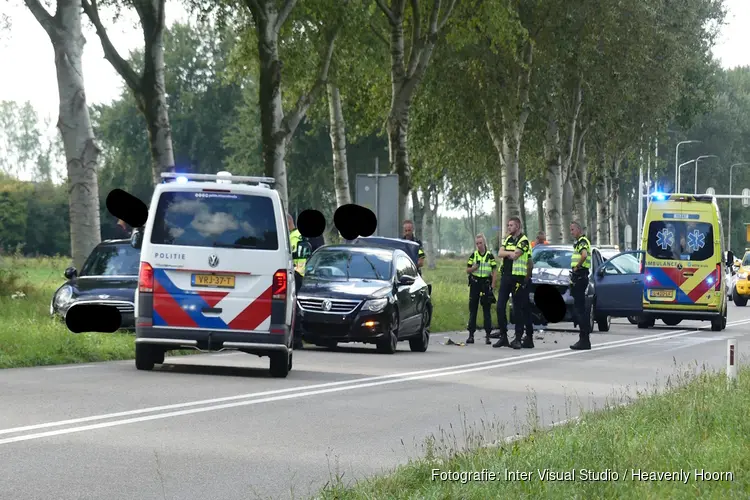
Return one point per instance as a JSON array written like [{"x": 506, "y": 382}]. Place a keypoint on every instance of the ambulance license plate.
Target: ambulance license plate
[
  {"x": 213, "y": 280},
  {"x": 662, "y": 294}
]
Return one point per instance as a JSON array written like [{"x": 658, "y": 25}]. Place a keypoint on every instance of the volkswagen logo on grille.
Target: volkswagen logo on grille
[
  {"x": 213, "y": 261},
  {"x": 326, "y": 305},
  {"x": 103, "y": 296}
]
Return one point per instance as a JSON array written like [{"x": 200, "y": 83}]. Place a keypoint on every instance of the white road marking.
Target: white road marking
[
  {"x": 71, "y": 367},
  {"x": 323, "y": 385},
  {"x": 304, "y": 391}
]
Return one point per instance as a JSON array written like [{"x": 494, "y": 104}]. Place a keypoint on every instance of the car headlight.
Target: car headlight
[
  {"x": 63, "y": 296},
  {"x": 376, "y": 305},
  {"x": 742, "y": 276}
]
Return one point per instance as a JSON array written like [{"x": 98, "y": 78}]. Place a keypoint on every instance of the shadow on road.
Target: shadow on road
[{"x": 225, "y": 371}]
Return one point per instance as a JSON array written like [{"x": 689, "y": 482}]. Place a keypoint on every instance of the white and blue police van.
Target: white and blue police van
[{"x": 216, "y": 270}]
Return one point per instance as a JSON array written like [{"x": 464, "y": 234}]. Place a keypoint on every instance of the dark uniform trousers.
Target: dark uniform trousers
[
  {"x": 479, "y": 285},
  {"x": 521, "y": 306},
  {"x": 580, "y": 282}
]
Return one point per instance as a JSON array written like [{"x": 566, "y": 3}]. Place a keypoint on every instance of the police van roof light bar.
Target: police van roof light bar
[{"x": 218, "y": 178}]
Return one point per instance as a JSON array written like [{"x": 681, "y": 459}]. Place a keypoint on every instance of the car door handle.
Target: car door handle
[{"x": 636, "y": 280}]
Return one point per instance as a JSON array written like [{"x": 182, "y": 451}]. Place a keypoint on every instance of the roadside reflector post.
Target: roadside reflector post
[{"x": 731, "y": 361}]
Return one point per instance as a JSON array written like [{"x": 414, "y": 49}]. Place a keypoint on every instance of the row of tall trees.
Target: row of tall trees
[{"x": 501, "y": 95}]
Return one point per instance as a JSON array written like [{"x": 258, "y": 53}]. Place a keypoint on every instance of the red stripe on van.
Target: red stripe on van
[{"x": 254, "y": 314}]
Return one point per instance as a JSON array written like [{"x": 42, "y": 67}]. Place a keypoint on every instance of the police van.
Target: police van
[{"x": 216, "y": 270}]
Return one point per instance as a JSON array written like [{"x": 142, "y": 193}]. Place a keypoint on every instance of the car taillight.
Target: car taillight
[
  {"x": 278, "y": 289},
  {"x": 146, "y": 278}
]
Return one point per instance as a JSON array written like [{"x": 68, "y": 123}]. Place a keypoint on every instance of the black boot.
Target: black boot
[
  {"x": 487, "y": 339},
  {"x": 583, "y": 344},
  {"x": 528, "y": 342},
  {"x": 503, "y": 340},
  {"x": 470, "y": 340},
  {"x": 516, "y": 344}
]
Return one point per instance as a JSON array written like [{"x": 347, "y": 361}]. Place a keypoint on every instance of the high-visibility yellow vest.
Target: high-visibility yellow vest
[
  {"x": 579, "y": 246},
  {"x": 301, "y": 250},
  {"x": 519, "y": 265},
  {"x": 486, "y": 263}
]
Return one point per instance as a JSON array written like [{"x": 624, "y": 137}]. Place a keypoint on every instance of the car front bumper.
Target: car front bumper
[
  {"x": 126, "y": 309},
  {"x": 357, "y": 326},
  {"x": 742, "y": 287}
]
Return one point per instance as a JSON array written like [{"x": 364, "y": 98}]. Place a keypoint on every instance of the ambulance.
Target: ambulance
[{"x": 683, "y": 261}]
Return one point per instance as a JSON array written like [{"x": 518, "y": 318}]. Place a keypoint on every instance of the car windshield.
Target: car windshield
[
  {"x": 746, "y": 260},
  {"x": 203, "y": 219},
  {"x": 552, "y": 258},
  {"x": 679, "y": 240},
  {"x": 608, "y": 254},
  {"x": 112, "y": 260},
  {"x": 343, "y": 264}
]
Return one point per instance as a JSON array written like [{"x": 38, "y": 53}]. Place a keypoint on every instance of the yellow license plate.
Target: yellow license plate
[
  {"x": 214, "y": 280},
  {"x": 667, "y": 294}
]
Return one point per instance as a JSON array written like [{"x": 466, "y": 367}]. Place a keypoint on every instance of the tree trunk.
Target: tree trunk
[
  {"x": 554, "y": 188},
  {"x": 417, "y": 212},
  {"x": 580, "y": 193},
  {"x": 405, "y": 78},
  {"x": 540, "y": 213},
  {"x": 338, "y": 145},
  {"x": 149, "y": 88},
  {"x": 74, "y": 122},
  {"x": 567, "y": 215},
  {"x": 602, "y": 202},
  {"x": 614, "y": 203},
  {"x": 498, "y": 214},
  {"x": 429, "y": 228},
  {"x": 522, "y": 198}
]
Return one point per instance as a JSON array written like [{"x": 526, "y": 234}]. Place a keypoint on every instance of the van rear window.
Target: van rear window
[
  {"x": 678, "y": 240},
  {"x": 201, "y": 219}
]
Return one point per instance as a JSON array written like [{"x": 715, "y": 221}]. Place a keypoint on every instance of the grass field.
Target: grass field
[
  {"x": 699, "y": 425},
  {"x": 29, "y": 337}
]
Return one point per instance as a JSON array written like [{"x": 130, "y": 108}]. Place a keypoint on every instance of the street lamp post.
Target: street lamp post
[
  {"x": 676, "y": 156},
  {"x": 679, "y": 175},
  {"x": 729, "y": 246},
  {"x": 695, "y": 186}
]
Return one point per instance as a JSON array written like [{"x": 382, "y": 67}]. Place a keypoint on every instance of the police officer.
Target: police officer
[
  {"x": 301, "y": 250},
  {"x": 515, "y": 278},
  {"x": 580, "y": 264},
  {"x": 482, "y": 271},
  {"x": 408, "y": 227}
]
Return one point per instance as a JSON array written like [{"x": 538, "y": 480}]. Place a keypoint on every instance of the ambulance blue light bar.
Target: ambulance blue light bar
[{"x": 705, "y": 198}]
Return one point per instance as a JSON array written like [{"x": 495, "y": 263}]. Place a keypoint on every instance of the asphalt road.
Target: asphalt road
[{"x": 217, "y": 426}]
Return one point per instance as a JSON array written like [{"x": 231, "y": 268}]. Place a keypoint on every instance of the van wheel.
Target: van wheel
[
  {"x": 717, "y": 324},
  {"x": 672, "y": 321},
  {"x": 633, "y": 320},
  {"x": 739, "y": 300},
  {"x": 146, "y": 356},
  {"x": 281, "y": 363}
]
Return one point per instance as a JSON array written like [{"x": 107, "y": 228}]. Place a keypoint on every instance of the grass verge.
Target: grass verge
[
  {"x": 698, "y": 424},
  {"x": 29, "y": 337}
]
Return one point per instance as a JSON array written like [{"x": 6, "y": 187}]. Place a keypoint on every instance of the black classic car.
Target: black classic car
[
  {"x": 368, "y": 294},
  {"x": 108, "y": 277},
  {"x": 552, "y": 267}
]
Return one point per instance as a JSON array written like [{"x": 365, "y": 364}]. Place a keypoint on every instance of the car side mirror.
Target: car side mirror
[
  {"x": 600, "y": 271},
  {"x": 136, "y": 238},
  {"x": 70, "y": 273},
  {"x": 406, "y": 280}
]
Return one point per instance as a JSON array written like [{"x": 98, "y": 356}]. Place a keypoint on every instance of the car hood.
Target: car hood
[
  {"x": 116, "y": 287},
  {"x": 340, "y": 289},
  {"x": 550, "y": 275}
]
